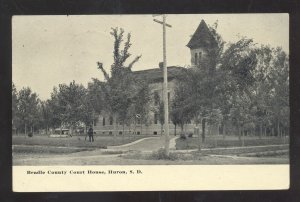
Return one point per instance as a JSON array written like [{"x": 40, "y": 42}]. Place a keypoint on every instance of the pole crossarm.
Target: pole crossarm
[{"x": 160, "y": 22}]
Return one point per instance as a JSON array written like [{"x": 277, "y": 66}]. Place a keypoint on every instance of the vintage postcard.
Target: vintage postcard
[{"x": 150, "y": 102}]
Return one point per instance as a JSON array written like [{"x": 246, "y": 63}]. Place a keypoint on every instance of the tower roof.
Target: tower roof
[{"x": 202, "y": 37}]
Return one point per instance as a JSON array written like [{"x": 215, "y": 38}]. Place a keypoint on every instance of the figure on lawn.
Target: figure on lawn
[{"x": 91, "y": 134}]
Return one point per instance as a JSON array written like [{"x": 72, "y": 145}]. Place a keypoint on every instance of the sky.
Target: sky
[{"x": 50, "y": 50}]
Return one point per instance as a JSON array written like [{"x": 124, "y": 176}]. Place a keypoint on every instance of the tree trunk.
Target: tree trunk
[
  {"x": 214, "y": 133},
  {"x": 181, "y": 127},
  {"x": 197, "y": 132},
  {"x": 161, "y": 129},
  {"x": 123, "y": 131},
  {"x": 115, "y": 127},
  {"x": 25, "y": 130},
  {"x": 278, "y": 128},
  {"x": 175, "y": 129},
  {"x": 203, "y": 130},
  {"x": 224, "y": 129},
  {"x": 239, "y": 132},
  {"x": 61, "y": 128},
  {"x": 260, "y": 130},
  {"x": 243, "y": 137}
]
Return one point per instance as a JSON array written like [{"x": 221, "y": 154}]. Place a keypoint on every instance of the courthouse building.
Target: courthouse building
[{"x": 199, "y": 44}]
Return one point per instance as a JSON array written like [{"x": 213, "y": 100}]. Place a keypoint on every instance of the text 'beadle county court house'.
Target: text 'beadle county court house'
[{"x": 200, "y": 43}]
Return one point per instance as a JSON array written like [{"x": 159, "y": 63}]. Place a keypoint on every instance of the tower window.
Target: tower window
[
  {"x": 103, "y": 121},
  {"x": 196, "y": 58},
  {"x": 200, "y": 55}
]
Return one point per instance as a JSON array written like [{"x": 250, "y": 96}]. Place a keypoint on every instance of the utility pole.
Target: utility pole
[{"x": 165, "y": 85}]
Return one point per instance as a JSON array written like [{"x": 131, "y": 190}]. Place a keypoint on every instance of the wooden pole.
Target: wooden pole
[
  {"x": 166, "y": 104},
  {"x": 165, "y": 86}
]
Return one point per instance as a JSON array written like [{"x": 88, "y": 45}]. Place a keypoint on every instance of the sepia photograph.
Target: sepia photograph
[{"x": 196, "y": 89}]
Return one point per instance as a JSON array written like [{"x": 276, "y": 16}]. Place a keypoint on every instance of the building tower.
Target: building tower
[{"x": 201, "y": 45}]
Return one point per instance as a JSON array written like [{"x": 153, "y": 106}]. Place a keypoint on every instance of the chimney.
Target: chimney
[{"x": 161, "y": 66}]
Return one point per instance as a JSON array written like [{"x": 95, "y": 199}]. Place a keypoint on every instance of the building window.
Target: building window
[
  {"x": 103, "y": 121},
  {"x": 196, "y": 58},
  {"x": 156, "y": 98},
  {"x": 95, "y": 122},
  {"x": 200, "y": 55},
  {"x": 168, "y": 97},
  {"x": 111, "y": 120},
  {"x": 155, "y": 118}
]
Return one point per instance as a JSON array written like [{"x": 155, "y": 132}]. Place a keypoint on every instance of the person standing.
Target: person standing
[{"x": 91, "y": 134}]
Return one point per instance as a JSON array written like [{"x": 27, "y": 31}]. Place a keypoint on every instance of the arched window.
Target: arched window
[
  {"x": 111, "y": 120},
  {"x": 196, "y": 59},
  {"x": 155, "y": 118},
  {"x": 156, "y": 98}
]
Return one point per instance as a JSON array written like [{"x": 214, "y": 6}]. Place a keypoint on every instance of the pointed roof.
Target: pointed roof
[{"x": 202, "y": 37}]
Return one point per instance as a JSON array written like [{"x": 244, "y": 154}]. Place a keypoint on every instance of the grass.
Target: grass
[
  {"x": 46, "y": 150},
  {"x": 159, "y": 155},
  {"x": 245, "y": 150},
  {"x": 75, "y": 141},
  {"x": 229, "y": 141},
  {"x": 194, "y": 156}
]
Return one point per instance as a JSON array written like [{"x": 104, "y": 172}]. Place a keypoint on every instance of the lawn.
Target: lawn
[
  {"x": 75, "y": 141},
  {"x": 228, "y": 141}
]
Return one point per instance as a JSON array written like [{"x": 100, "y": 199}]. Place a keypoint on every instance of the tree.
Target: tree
[
  {"x": 45, "y": 114},
  {"x": 279, "y": 101},
  {"x": 54, "y": 109},
  {"x": 238, "y": 64},
  {"x": 120, "y": 88},
  {"x": 14, "y": 104},
  {"x": 141, "y": 102},
  {"x": 182, "y": 106},
  {"x": 69, "y": 104},
  {"x": 28, "y": 108},
  {"x": 95, "y": 95}
]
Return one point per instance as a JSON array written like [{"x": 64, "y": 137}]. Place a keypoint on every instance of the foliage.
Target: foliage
[
  {"x": 161, "y": 155},
  {"x": 27, "y": 107},
  {"x": 68, "y": 110},
  {"x": 121, "y": 90}
]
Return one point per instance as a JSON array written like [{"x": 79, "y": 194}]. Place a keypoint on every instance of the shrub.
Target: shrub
[
  {"x": 190, "y": 135},
  {"x": 30, "y": 134},
  {"x": 161, "y": 155},
  {"x": 182, "y": 136}
]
